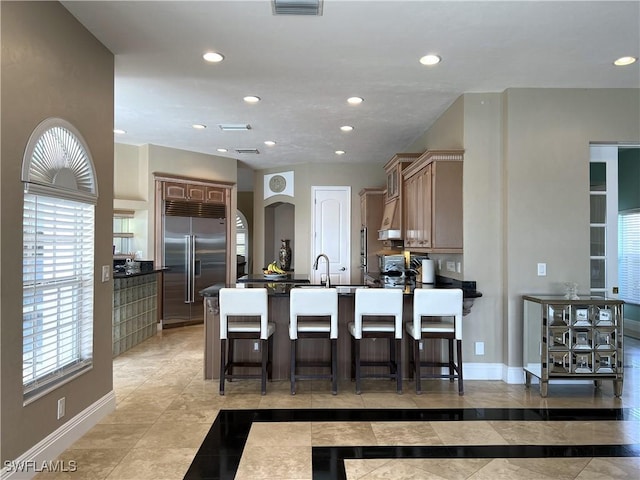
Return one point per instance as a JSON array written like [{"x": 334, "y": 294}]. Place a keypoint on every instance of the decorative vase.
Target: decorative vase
[{"x": 285, "y": 255}]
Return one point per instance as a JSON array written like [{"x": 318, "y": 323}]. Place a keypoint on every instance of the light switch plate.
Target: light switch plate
[
  {"x": 106, "y": 272},
  {"x": 542, "y": 269}
]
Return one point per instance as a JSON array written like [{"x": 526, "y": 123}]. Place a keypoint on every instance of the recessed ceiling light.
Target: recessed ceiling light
[
  {"x": 355, "y": 100},
  {"x": 213, "y": 57},
  {"x": 199, "y": 126},
  {"x": 234, "y": 127},
  {"x": 271, "y": 143},
  {"x": 251, "y": 99},
  {"x": 340, "y": 152},
  {"x": 119, "y": 131},
  {"x": 222, "y": 150},
  {"x": 624, "y": 61},
  {"x": 430, "y": 60},
  {"x": 346, "y": 128}
]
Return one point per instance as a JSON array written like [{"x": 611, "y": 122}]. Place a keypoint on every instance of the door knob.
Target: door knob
[{"x": 343, "y": 269}]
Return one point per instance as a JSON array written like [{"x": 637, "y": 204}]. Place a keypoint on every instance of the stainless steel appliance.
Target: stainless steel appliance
[
  {"x": 388, "y": 263},
  {"x": 194, "y": 240}
]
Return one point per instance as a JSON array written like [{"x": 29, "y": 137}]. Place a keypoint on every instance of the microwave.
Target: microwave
[{"x": 390, "y": 263}]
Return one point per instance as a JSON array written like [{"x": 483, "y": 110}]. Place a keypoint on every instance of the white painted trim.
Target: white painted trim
[
  {"x": 480, "y": 371},
  {"x": 58, "y": 441}
]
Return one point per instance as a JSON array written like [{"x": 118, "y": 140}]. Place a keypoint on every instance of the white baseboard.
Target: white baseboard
[
  {"x": 41, "y": 455},
  {"x": 482, "y": 371}
]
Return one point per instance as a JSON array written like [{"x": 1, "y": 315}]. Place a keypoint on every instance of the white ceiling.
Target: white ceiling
[{"x": 305, "y": 67}]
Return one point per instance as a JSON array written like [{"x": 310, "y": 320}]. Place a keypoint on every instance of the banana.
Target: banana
[{"x": 273, "y": 268}]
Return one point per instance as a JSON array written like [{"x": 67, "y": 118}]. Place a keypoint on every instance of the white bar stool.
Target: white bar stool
[
  {"x": 444, "y": 309},
  {"x": 245, "y": 302},
  {"x": 371, "y": 303},
  {"x": 322, "y": 305}
]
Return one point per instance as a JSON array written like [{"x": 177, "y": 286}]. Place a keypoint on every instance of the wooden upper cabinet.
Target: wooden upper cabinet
[
  {"x": 393, "y": 168},
  {"x": 175, "y": 191},
  {"x": 193, "y": 192},
  {"x": 433, "y": 202},
  {"x": 215, "y": 195}
]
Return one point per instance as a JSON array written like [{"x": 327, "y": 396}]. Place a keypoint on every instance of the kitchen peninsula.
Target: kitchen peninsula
[
  {"x": 135, "y": 306},
  {"x": 278, "y": 292}
]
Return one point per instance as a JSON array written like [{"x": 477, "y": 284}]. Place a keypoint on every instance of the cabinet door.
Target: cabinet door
[
  {"x": 426, "y": 204},
  {"x": 215, "y": 195},
  {"x": 409, "y": 211},
  {"x": 175, "y": 191},
  {"x": 196, "y": 193},
  {"x": 446, "y": 195}
]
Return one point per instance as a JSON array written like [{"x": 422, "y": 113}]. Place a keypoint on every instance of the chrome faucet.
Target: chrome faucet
[{"x": 315, "y": 267}]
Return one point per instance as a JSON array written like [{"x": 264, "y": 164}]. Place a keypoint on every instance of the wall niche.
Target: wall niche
[{"x": 279, "y": 223}]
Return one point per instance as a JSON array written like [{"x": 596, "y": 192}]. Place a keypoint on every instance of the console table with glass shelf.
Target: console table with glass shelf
[{"x": 573, "y": 339}]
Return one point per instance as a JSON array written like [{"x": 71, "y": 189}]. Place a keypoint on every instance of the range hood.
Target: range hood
[{"x": 391, "y": 229}]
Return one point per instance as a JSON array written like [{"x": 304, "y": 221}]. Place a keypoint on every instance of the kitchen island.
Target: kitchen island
[{"x": 278, "y": 292}]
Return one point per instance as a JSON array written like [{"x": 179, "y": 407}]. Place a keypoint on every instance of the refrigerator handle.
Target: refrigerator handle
[
  {"x": 188, "y": 255},
  {"x": 192, "y": 277}
]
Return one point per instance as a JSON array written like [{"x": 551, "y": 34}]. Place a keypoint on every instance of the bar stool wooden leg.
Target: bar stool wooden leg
[
  {"x": 416, "y": 361},
  {"x": 223, "y": 361},
  {"x": 265, "y": 362},
  {"x": 270, "y": 359},
  {"x": 229, "y": 369},
  {"x": 334, "y": 366},
  {"x": 356, "y": 347},
  {"x": 460, "y": 385},
  {"x": 398, "y": 360},
  {"x": 293, "y": 367},
  {"x": 451, "y": 364}
]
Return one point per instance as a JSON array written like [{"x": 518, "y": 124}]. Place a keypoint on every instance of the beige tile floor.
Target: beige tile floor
[{"x": 165, "y": 408}]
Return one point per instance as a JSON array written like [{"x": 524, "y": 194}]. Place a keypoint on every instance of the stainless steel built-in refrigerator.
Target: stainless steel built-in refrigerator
[{"x": 194, "y": 238}]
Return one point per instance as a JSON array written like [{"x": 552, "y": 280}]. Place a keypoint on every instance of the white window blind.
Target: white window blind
[
  {"x": 629, "y": 256},
  {"x": 58, "y": 262}
]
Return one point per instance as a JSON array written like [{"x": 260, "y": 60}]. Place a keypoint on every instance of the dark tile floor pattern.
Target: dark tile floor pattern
[{"x": 220, "y": 453}]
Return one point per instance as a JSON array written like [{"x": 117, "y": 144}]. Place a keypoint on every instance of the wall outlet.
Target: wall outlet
[
  {"x": 61, "y": 407},
  {"x": 106, "y": 273},
  {"x": 256, "y": 346},
  {"x": 542, "y": 269},
  {"x": 420, "y": 345},
  {"x": 479, "y": 348},
  {"x": 451, "y": 266}
]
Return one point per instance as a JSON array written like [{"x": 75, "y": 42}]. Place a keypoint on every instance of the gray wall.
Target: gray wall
[
  {"x": 526, "y": 197},
  {"x": 51, "y": 66}
]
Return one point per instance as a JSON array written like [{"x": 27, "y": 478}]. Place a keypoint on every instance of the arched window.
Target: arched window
[
  {"x": 242, "y": 240},
  {"x": 58, "y": 226}
]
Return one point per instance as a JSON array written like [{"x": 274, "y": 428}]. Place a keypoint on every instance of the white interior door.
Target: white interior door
[{"x": 331, "y": 224}]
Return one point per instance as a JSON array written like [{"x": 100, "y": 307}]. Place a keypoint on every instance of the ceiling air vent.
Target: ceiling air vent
[
  {"x": 247, "y": 150},
  {"x": 234, "y": 127},
  {"x": 297, "y": 7}
]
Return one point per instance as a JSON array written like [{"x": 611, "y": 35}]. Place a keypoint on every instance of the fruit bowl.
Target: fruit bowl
[{"x": 274, "y": 275}]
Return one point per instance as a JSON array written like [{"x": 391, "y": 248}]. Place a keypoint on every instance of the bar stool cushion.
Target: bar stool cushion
[{"x": 314, "y": 302}]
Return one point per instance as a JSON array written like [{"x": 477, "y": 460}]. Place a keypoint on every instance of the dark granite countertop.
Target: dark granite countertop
[
  {"x": 117, "y": 275},
  {"x": 282, "y": 287},
  {"x": 287, "y": 278}
]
